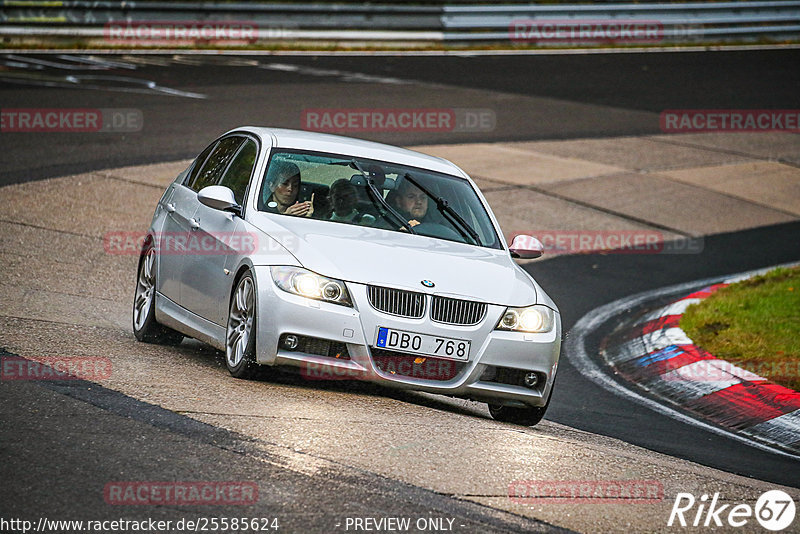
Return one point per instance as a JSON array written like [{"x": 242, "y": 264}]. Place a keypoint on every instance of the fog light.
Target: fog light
[
  {"x": 489, "y": 374},
  {"x": 290, "y": 342},
  {"x": 530, "y": 380}
]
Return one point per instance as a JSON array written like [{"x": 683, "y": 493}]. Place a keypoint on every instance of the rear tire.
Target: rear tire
[
  {"x": 240, "y": 338},
  {"x": 145, "y": 326}
]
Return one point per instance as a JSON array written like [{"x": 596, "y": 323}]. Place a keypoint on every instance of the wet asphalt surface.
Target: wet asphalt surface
[
  {"x": 533, "y": 97},
  {"x": 140, "y": 440}
]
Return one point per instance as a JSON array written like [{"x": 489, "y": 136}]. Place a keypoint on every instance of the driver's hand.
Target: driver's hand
[
  {"x": 412, "y": 223},
  {"x": 300, "y": 209},
  {"x": 310, "y": 203}
]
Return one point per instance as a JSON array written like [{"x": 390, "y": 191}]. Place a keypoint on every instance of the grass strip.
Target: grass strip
[{"x": 754, "y": 324}]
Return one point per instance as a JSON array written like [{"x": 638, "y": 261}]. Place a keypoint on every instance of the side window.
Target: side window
[
  {"x": 238, "y": 174},
  {"x": 198, "y": 163},
  {"x": 212, "y": 169}
]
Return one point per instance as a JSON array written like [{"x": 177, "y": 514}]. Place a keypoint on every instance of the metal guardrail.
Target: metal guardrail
[
  {"x": 687, "y": 22},
  {"x": 695, "y": 21}
]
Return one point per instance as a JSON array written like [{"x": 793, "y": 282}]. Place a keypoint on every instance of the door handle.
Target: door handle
[
  {"x": 171, "y": 207},
  {"x": 194, "y": 223}
]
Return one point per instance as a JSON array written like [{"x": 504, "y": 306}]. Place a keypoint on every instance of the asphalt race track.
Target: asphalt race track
[
  {"x": 586, "y": 406},
  {"x": 190, "y": 100},
  {"x": 533, "y": 97}
]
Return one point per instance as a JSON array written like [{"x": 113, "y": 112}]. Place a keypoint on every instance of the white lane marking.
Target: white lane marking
[
  {"x": 137, "y": 85},
  {"x": 18, "y": 65},
  {"x": 676, "y": 308},
  {"x": 280, "y": 66},
  {"x": 784, "y": 425},
  {"x": 340, "y": 74},
  {"x": 705, "y": 370},
  {"x": 35, "y": 82},
  {"x": 148, "y": 86},
  {"x": 681, "y": 391},
  {"x": 92, "y": 60},
  {"x": 76, "y": 82},
  {"x": 575, "y": 350},
  {"x": 661, "y": 339},
  {"x": 147, "y": 59},
  {"x": 54, "y": 64},
  {"x": 213, "y": 60},
  {"x": 698, "y": 379},
  {"x": 646, "y": 344}
]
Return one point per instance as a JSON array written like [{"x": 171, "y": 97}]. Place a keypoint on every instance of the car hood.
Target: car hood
[{"x": 396, "y": 259}]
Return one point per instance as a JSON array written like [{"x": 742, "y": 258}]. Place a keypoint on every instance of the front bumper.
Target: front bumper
[{"x": 491, "y": 350}]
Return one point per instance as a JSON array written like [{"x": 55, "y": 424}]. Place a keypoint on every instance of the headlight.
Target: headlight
[
  {"x": 531, "y": 319},
  {"x": 310, "y": 285}
]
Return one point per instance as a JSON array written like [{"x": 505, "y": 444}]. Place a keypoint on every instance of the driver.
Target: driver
[
  {"x": 410, "y": 202},
  {"x": 284, "y": 185}
]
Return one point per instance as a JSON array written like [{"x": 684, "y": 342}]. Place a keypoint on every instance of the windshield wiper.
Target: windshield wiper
[
  {"x": 444, "y": 206},
  {"x": 379, "y": 197}
]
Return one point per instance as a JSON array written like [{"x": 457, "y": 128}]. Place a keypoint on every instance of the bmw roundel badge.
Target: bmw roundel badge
[{"x": 428, "y": 283}]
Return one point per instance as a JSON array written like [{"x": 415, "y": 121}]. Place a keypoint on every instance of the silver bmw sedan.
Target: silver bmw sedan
[{"x": 350, "y": 260}]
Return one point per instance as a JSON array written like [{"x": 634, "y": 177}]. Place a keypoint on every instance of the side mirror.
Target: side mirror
[
  {"x": 525, "y": 247},
  {"x": 219, "y": 197}
]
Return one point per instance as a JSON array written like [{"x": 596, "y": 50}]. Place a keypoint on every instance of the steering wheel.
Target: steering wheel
[{"x": 432, "y": 229}]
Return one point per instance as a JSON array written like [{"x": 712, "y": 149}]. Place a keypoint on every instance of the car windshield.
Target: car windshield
[{"x": 346, "y": 190}]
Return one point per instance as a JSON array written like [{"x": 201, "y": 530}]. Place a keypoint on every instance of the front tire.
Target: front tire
[
  {"x": 517, "y": 416},
  {"x": 528, "y": 416},
  {"x": 145, "y": 326},
  {"x": 240, "y": 338}
]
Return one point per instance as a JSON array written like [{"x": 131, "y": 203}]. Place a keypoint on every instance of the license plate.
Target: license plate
[{"x": 443, "y": 347}]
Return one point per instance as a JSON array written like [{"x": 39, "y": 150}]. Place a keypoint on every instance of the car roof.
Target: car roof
[{"x": 337, "y": 144}]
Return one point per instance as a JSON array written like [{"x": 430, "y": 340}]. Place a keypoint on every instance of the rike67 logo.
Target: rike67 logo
[{"x": 774, "y": 510}]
